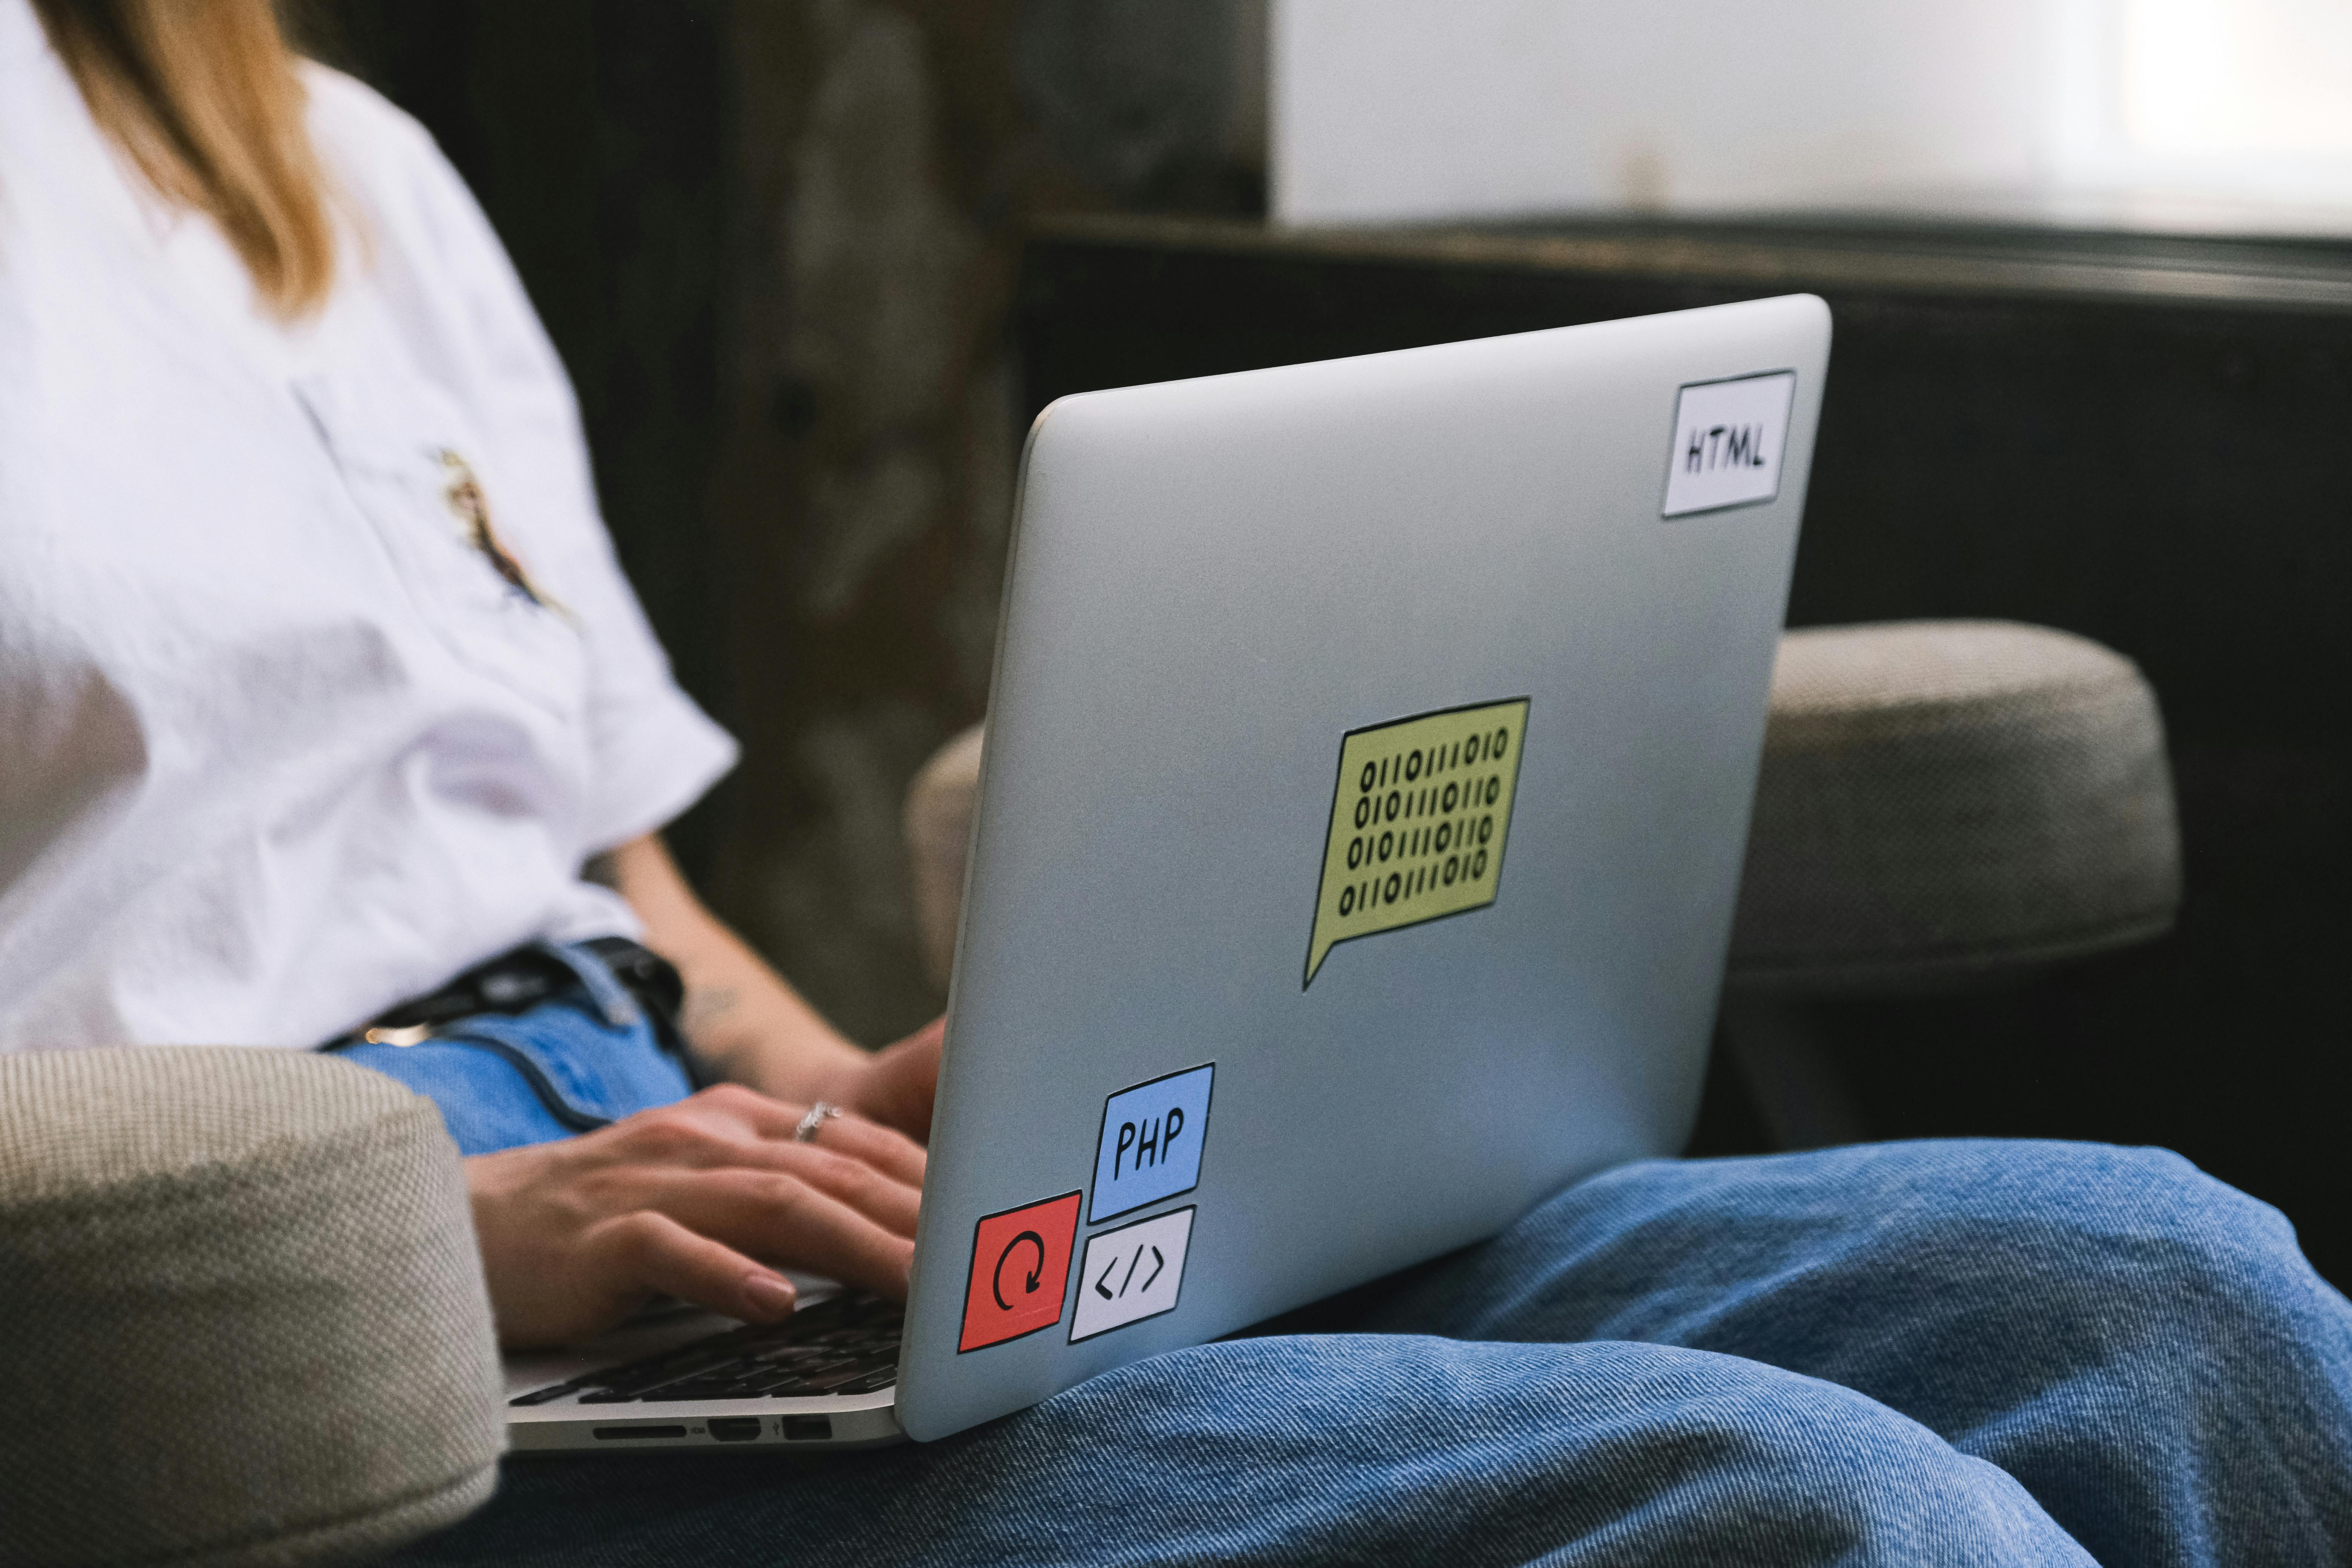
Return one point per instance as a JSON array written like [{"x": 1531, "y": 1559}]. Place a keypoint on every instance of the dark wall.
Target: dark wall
[
  {"x": 598, "y": 136},
  {"x": 774, "y": 242}
]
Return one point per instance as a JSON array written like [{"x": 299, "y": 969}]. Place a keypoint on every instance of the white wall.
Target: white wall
[{"x": 1415, "y": 110}]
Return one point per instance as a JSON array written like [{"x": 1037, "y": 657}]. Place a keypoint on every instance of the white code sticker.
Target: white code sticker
[
  {"x": 1728, "y": 437},
  {"x": 1131, "y": 1273}
]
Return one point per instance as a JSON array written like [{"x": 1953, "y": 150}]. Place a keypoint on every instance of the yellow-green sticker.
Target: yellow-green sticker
[{"x": 1418, "y": 820}]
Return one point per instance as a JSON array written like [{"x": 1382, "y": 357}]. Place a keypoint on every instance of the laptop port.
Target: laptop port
[
  {"x": 631, "y": 1434},
  {"x": 735, "y": 1428},
  {"x": 808, "y": 1428}
]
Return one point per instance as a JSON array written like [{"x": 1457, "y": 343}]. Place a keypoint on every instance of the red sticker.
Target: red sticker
[{"x": 1020, "y": 1271}]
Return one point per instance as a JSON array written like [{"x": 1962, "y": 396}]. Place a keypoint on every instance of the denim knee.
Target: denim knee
[
  {"x": 1974, "y": 1226},
  {"x": 2135, "y": 1230},
  {"x": 2142, "y": 1346},
  {"x": 2176, "y": 1384}
]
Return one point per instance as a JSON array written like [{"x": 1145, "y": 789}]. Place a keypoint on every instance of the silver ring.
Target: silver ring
[{"x": 818, "y": 1115}]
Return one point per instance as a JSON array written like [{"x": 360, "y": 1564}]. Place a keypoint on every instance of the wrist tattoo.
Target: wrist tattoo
[{"x": 706, "y": 1005}]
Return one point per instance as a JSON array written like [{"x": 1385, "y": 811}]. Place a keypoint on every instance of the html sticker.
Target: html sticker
[
  {"x": 1020, "y": 1272},
  {"x": 1419, "y": 817},
  {"x": 1151, "y": 1145},
  {"x": 1728, "y": 438},
  {"x": 1131, "y": 1273}
]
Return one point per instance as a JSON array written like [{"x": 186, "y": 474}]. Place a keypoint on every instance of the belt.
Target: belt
[{"x": 519, "y": 981}]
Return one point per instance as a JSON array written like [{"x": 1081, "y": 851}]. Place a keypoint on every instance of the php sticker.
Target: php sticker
[
  {"x": 1020, "y": 1272},
  {"x": 1131, "y": 1273},
  {"x": 1150, "y": 1145},
  {"x": 1419, "y": 817}
]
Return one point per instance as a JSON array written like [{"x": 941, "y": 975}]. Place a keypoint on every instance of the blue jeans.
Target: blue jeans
[
  {"x": 584, "y": 1056},
  {"x": 1932, "y": 1353}
]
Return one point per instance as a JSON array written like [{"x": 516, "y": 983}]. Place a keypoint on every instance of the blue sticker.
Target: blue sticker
[{"x": 1150, "y": 1146}]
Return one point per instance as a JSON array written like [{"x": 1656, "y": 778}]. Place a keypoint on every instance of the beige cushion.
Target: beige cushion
[
  {"x": 1946, "y": 800},
  {"x": 939, "y": 841},
  {"x": 1940, "y": 801},
  {"x": 245, "y": 1316}
]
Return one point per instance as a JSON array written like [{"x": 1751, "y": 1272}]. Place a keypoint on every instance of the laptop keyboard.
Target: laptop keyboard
[{"x": 845, "y": 1346}]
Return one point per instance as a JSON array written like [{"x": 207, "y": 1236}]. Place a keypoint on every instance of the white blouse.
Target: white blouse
[{"x": 281, "y": 740}]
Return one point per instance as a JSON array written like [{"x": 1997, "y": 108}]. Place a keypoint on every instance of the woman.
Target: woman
[
  {"x": 322, "y": 683},
  {"x": 325, "y": 716}
]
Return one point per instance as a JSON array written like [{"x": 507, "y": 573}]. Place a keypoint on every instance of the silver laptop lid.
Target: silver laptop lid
[{"x": 1368, "y": 773}]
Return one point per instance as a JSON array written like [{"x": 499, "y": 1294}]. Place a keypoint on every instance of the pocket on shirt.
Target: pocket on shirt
[{"x": 394, "y": 447}]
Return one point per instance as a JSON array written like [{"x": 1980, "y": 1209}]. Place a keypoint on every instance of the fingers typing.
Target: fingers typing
[
  {"x": 655, "y": 1255},
  {"x": 702, "y": 1200}
]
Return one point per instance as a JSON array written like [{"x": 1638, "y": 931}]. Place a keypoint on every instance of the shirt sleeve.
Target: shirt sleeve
[{"x": 466, "y": 317}]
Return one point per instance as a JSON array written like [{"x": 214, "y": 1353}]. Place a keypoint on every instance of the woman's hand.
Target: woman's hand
[
  {"x": 895, "y": 1084},
  {"x": 695, "y": 1200}
]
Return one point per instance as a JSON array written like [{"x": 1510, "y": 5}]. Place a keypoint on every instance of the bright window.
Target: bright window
[
  {"x": 2237, "y": 77},
  {"x": 2223, "y": 113}
]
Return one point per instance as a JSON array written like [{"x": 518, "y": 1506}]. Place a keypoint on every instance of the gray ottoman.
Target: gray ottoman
[
  {"x": 245, "y": 1319},
  {"x": 1947, "y": 802},
  {"x": 937, "y": 824}
]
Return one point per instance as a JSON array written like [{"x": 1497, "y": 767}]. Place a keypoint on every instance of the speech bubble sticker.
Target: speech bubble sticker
[{"x": 1419, "y": 816}]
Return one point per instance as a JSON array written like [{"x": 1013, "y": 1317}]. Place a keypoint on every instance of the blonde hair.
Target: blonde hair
[{"x": 203, "y": 99}]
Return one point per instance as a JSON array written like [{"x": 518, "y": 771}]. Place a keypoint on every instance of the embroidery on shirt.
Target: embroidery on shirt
[{"x": 471, "y": 507}]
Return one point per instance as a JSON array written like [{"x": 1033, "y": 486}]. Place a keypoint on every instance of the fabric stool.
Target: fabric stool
[
  {"x": 246, "y": 1321},
  {"x": 1944, "y": 802},
  {"x": 937, "y": 824}
]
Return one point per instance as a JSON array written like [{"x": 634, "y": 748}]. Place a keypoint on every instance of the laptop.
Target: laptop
[{"x": 1369, "y": 765}]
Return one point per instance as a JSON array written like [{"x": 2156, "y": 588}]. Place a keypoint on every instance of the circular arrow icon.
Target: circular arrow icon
[{"x": 1029, "y": 1285}]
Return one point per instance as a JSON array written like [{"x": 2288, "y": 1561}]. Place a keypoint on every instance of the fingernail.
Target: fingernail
[{"x": 768, "y": 1296}]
